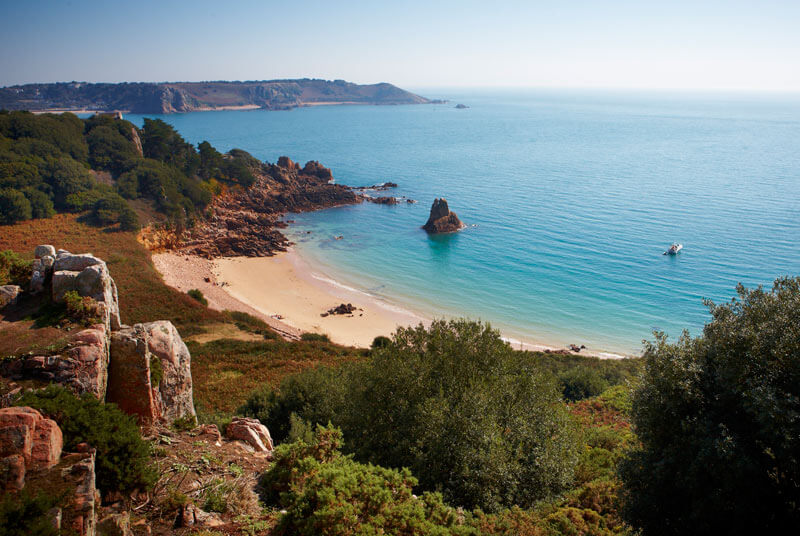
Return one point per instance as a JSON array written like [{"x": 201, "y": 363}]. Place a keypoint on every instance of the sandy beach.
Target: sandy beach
[
  {"x": 284, "y": 287},
  {"x": 286, "y": 292}
]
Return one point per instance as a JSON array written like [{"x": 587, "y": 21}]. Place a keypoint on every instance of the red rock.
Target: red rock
[
  {"x": 129, "y": 375},
  {"x": 47, "y": 444},
  {"x": 441, "y": 219},
  {"x": 252, "y": 432}
]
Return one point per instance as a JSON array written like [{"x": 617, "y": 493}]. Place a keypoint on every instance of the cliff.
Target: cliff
[{"x": 171, "y": 97}]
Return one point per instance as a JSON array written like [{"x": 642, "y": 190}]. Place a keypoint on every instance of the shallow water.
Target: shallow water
[{"x": 571, "y": 198}]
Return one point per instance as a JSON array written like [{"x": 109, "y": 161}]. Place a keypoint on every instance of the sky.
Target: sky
[{"x": 667, "y": 44}]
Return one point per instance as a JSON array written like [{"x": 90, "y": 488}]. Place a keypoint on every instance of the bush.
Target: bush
[
  {"x": 197, "y": 295},
  {"x": 41, "y": 205},
  {"x": 315, "y": 337},
  {"x": 718, "y": 417},
  {"x": 14, "y": 206},
  {"x": 324, "y": 492},
  {"x": 380, "y": 342},
  {"x": 14, "y": 270},
  {"x": 123, "y": 457},
  {"x": 23, "y": 513},
  {"x": 580, "y": 383},
  {"x": 454, "y": 403},
  {"x": 317, "y": 395},
  {"x": 82, "y": 309}
]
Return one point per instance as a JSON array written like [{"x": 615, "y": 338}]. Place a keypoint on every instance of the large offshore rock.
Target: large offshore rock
[
  {"x": 441, "y": 219},
  {"x": 175, "y": 388},
  {"x": 129, "y": 378}
]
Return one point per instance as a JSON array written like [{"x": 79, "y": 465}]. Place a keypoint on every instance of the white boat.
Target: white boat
[{"x": 674, "y": 249}]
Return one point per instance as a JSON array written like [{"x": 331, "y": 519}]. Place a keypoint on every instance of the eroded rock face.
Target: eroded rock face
[
  {"x": 131, "y": 375},
  {"x": 175, "y": 388},
  {"x": 45, "y": 250},
  {"x": 28, "y": 441},
  {"x": 441, "y": 219},
  {"x": 250, "y": 431},
  {"x": 89, "y": 276}
]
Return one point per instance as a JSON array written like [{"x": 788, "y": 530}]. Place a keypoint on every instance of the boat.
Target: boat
[{"x": 674, "y": 249}]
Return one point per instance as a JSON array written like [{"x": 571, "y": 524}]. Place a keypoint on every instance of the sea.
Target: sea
[{"x": 570, "y": 197}]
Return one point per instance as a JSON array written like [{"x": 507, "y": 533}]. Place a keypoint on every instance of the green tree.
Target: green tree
[
  {"x": 41, "y": 205},
  {"x": 455, "y": 404},
  {"x": 718, "y": 417},
  {"x": 14, "y": 206}
]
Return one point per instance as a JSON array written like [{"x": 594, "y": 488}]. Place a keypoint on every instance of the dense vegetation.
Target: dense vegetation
[
  {"x": 49, "y": 163},
  {"x": 123, "y": 457},
  {"x": 454, "y": 403},
  {"x": 718, "y": 418}
]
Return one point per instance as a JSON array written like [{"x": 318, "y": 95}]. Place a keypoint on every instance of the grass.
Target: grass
[
  {"x": 143, "y": 295},
  {"x": 226, "y": 371}
]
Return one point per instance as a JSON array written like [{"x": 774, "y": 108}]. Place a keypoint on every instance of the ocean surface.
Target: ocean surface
[{"x": 571, "y": 197}]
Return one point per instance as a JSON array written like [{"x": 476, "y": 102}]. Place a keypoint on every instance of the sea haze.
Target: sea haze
[{"x": 571, "y": 198}]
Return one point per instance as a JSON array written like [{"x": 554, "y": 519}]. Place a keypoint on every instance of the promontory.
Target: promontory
[{"x": 172, "y": 97}]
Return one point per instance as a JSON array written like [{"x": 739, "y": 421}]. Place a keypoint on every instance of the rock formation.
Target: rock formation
[
  {"x": 441, "y": 219},
  {"x": 251, "y": 432},
  {"x": 145, "y": 369},
  {"x": 246, "y": 222},
  {"x": 28, "y": 441},
  {"x": 150, "y": 373}
]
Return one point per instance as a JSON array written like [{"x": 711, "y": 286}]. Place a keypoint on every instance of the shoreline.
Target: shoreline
[{"x": 306, "y": 293}]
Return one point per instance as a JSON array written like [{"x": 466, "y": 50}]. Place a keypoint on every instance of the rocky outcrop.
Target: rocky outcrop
[
  {"x": 9, "y": 295},
  {"x": 441, "y": 219},
  {"x": 130, "y": 385},
  {"x": 150, "y": 373},
  {"x": 251, "y": 432},
  {"x": 246, "y": 222},
  {"x": 28, "y": 441},
  {"x": 89, "y": 276},
  {"x": 82, "y": 367}
]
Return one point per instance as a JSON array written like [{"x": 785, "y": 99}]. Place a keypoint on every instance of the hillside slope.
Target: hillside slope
[{"x": 148, "y": 97}]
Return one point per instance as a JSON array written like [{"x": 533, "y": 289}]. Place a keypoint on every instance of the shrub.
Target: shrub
[
  {"x": 41, "y": 205},
  {"x": 14, "y": 206},
  {"x": 317, "y": 395},
  {"x": 197, "y": 295},
  {"x": 580, "y": 383},
  {"x": 156, "y": 371},
  {"x": 380, "y": 342},
  {"x": 82, "y": 309},
  {"x": 718, "y": 417},
  {"x": 123, "y": 457},
  {"x": 14, "y": 270},
  {"x": 315, "y": 337},
  {"x": 324, "y": 492},
  {"x": 23, "y": 513},
  {"x": 454, "y": 403}
]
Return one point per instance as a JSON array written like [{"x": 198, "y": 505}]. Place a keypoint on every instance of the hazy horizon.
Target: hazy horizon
[{"x": 621, "y": 44}]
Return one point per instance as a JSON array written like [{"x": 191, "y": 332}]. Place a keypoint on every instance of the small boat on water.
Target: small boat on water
[{"x": 674, "y": 249}]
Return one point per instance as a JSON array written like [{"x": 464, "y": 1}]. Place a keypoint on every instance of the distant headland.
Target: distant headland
[{"x": 175, "y": 97}]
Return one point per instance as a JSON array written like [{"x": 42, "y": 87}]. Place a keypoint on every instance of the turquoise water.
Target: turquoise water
[{"x": 571, "y": 198}]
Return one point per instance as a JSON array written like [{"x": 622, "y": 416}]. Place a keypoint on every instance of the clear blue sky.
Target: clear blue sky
[{"x": 703, "y": 44}]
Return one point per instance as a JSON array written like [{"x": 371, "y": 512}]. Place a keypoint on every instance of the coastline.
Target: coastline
[{"x": 287, "y": 286}]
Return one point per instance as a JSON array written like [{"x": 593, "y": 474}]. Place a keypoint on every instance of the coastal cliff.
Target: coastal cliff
[{"x": 172, "y": 97}]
